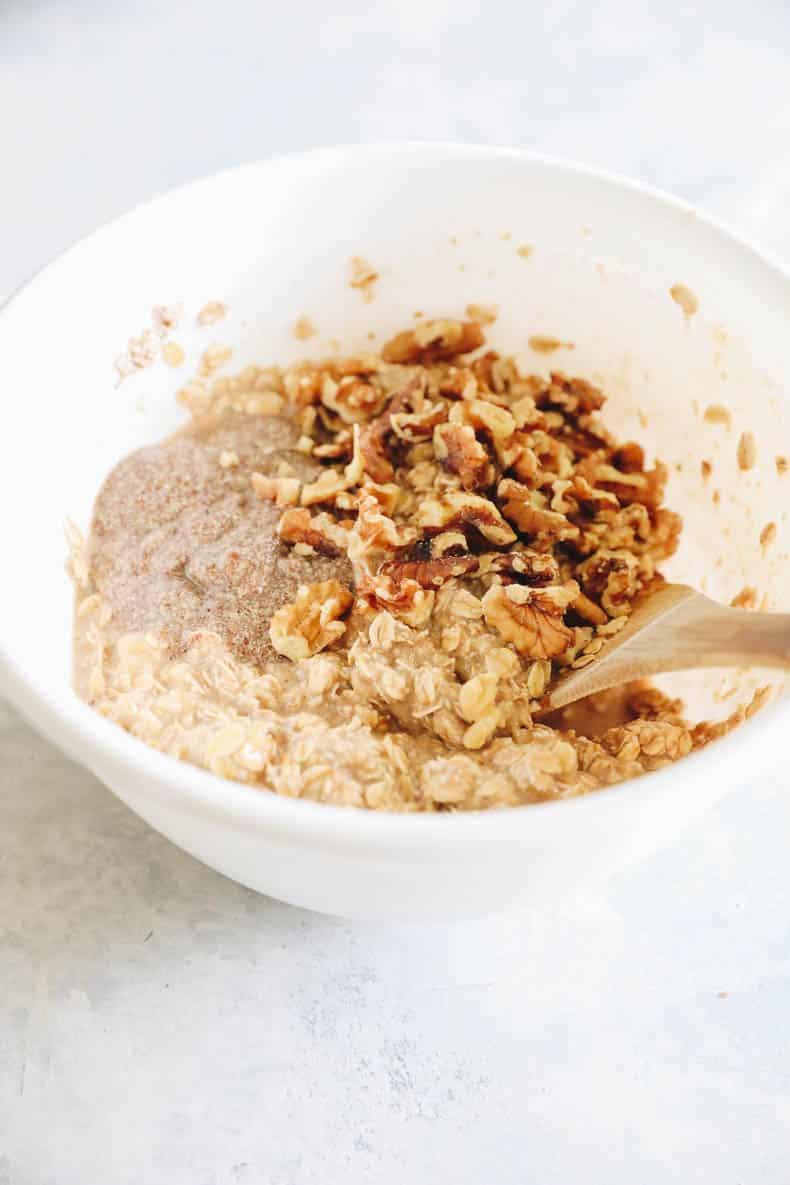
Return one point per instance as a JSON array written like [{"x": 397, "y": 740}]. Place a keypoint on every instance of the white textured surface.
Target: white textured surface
[{"x": 160, "y": 1024}]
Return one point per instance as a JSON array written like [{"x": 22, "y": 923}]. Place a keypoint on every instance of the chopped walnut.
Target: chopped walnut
[
  {"x": 282, "y": 490},
  {"x": 519, "y": 507},
  {"x": 430, "y": 573},
  {"x": 577, "y": 494},
  {"x": 405, "y": 598},
  {"x": 418, "y": 425},
  {"x": 526, "y": 566},
  {"x": 588, "y": 610},
  {"x": 459, "y": 451},
  {"x": 449, "y": 543},
  {"x": 482, "y": 415},
  {"x": 324, "y": 489},
  {"x": 387, "y": 494},
  {"x": 333, "y": 482},
  {"x": 433, "y": 341},
  {"x": 374, "y": 453},
  {"x": 534, "y": 626},
  {"x": 374, "y": 531},
  {"x": 312, "y": 621},
  {"x": 353, "y": 399},
  {"x": 319, "y": 534},
  {"x": 462, "y": 510},
  {"x": 573, "y": 395},
  {"x": 611, "y": 578}
]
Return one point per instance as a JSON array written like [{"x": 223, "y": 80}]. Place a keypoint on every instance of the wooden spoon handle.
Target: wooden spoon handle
[{"x": 711, "y": 635}]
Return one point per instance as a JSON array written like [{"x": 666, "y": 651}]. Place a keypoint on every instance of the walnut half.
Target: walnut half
[
  {"x": 311, "y": 622},
  {"x": 529, "y": 618}
]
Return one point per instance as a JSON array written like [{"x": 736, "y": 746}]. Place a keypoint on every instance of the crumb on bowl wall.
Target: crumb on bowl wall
[
  {"x": 716, "y": 413},
  {"x": 173, "y": 353},
  {"x": 747, "y": 598},
  {"x": 212, "y": 312},
  {"x": 747, "y": 451},
  {"x": 304, "y": 329},
  {"x": 684, "y": 297},
  {"x": 484, "y": 314},
  {"x": 363, "y": 277},
  {"x": 543, "y": 344},
  {"x": 165, "y": 318},
  {"x": 768, "y": 535},
  {"x": 213, "y": 358}
]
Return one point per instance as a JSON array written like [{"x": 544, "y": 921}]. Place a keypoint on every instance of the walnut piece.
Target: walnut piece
[
  {"x": 461, "y": 510},
  {"x": 418, "y": 425},
  {"x": 372, "y": 441},
  {"x": 354, "y": 400},
  {"x": 484, "y": 416},
  {"x": 460, "y": 452},
  {"x": 589, "y": 611},
  {"x": 375, "y": 531},
  {"x": 320, "y": 534},
  {"x": 284, "y": 491},
  {"x": 612, "y": 579},
  {"x": 430, "y": 573},
  {"x": 519, "y": 507},
  {"x": 528, "y": 566},
  {"x": 434, "y": 341},
  {"x": 575, "y": 395},
  {"x": 534, "y": 626},
  {"x": 405, "y": 599},
  {"x": 312, "y": 621}
]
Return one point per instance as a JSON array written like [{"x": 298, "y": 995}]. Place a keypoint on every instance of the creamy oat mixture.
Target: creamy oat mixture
[{"x": 353, "y": 581}]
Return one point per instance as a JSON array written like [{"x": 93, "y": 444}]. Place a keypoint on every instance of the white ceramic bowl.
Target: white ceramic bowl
[{"x": 442, "y": 225}]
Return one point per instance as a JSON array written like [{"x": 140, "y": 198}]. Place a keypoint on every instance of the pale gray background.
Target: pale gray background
[{"x": 159, "y": 1024}]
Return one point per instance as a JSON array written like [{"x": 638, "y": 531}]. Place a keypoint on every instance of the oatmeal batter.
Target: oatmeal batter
[{"x": 352, "y": 581}]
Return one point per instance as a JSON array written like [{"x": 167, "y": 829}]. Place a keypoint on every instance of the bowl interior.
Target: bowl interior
[{"x": 444, "y": 227}]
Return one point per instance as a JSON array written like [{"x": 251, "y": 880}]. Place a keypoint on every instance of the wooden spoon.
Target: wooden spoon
[{"x": 679, "y": 629}]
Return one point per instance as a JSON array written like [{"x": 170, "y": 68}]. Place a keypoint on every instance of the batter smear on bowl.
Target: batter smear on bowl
[{"x": 352, "y": 581}]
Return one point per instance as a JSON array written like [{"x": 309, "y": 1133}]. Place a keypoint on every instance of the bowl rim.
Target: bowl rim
[{"x": 244, "y": 806}]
